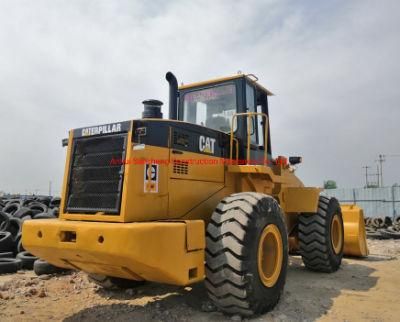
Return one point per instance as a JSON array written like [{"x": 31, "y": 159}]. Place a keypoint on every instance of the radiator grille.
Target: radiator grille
[
  {"x": 96, "y": 174},
  {"x": 181, "y": 167}
]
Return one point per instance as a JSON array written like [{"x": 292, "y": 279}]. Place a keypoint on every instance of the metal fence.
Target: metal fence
[{"x": 376, "y": 202}]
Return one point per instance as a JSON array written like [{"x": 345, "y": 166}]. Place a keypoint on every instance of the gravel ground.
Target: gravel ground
[{"x": 361, "y": 290}]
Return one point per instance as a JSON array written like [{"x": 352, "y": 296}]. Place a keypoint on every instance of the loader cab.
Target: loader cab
[{"x": 213, "y": 104}]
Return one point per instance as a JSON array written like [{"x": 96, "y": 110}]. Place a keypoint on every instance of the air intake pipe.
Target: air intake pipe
[
  {"x": 173, "y": 96},
  {"x": 152, "y": 109}
]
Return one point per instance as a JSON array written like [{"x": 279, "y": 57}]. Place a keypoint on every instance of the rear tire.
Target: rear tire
[
  {"x": 245, "y": 233},
  {"x": 321, "y": 236},
  {"x": 114, "y": 283}
]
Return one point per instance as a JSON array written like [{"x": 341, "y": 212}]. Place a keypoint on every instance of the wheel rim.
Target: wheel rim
[
  {"x": 270, "y": 255},
  {"x": 336, "y": 234}
]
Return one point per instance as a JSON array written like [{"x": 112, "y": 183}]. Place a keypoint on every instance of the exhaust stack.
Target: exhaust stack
[{"x": 173, "y": 96}]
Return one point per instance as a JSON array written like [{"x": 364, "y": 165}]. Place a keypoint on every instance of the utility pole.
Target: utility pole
[
  {"x": 366, "y": 175},
  {"x": 50, "y": 188},
  {"x": 381, "y": 159}
]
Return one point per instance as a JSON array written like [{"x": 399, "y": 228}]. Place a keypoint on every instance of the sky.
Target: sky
[{"x": 333, "y": 67}]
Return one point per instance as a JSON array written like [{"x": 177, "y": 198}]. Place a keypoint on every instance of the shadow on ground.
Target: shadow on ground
[{"x": 307, "y": 296}]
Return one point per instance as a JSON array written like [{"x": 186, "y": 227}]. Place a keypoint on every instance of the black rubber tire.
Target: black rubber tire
[
  {"x": 13, "y": 202},
  {"x": 390, "y": 234},
  {"x": 232, "y": 277},
  {"x": 25, "y": 218},
  {"x": 22, "y": 212},
  {"x": 6, "y": 255},
  {"x": 20, "y": 247},
  {"x": 44, "y": 200},
  {"x": 41, "y": 267},
  {"x": 374, "y": 234},
  {"x": 26, "y": 202},
  {"x": 44, "y": 215},
  {"x": 53, "y": 212},
  {"x": 6, "y": 242},
  {"x": 315, "y": 237},
  {"x": 37, "y": 206},
  {"x": 114, "y": 283},
  {"x": 27, "y": 259},
  {"x": 11, "y": 208},
  {"x": 4, "y": 221},
  {"x": 55, "y": 202},
  {"x": 9, "y": 265},
  {"x": 17, "y": 240},
  {"x": 15, "y": 226}
]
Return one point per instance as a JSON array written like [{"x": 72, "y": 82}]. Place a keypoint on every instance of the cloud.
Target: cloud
[{"x": 333, "y": 66}]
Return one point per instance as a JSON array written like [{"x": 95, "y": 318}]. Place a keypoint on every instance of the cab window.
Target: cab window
[
  {"x": 211, "y": 107},
  {"x": 251, "y": 107}
]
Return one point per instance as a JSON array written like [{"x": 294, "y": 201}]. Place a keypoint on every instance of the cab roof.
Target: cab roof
[{"x": 250, "y": 77}]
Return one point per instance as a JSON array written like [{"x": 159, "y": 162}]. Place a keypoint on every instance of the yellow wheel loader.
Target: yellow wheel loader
[{"x": 194, "y": 197}]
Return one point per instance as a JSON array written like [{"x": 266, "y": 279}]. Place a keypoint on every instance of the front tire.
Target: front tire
[
  {"x": 246, "y": 254},
  {"x": 321, "y": 236}
]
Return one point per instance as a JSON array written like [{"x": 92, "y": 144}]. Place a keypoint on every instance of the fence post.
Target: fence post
[{"x": 393, "y": 204}]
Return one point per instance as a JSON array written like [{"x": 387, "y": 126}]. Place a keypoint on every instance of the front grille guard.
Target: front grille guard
[{"x": 69, "y": 207}]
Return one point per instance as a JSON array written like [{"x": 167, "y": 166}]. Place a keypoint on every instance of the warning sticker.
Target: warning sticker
[{"x": 151, "y": 178}]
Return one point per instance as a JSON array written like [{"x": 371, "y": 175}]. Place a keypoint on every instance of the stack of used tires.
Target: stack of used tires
[
  {"x": 13, "y": 212},
  {"x": 382, "y": 228}
]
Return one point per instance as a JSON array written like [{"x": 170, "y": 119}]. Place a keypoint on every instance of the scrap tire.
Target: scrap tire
[
  {"x": 6, "y": 254},
  {"x": 390, "y": 234},
  {"x": 44, "y": 215},
  {"x": 6, "y": 241},
  {"x": 11, "y": 208},
  {"x": 22, "y": 212},
  {"x": 114, "y": 283},
  {"x": 321, "y": 236},
  {"x": 27, "y": 259},
  {"x": 238, "y": 281},
  {"x": 41, "y": 267},
  {"x": 9, "y": 265},
  {"x": 4, "y": 221},
  {"x": 15, "y": 226}
]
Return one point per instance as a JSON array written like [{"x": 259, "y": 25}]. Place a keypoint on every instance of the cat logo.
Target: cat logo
[
  {"x": 206, "y": 144},
  {"x": 151, "y": 178}
]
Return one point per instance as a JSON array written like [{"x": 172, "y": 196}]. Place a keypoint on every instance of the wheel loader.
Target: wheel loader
[{"x": 195, "y": 197}]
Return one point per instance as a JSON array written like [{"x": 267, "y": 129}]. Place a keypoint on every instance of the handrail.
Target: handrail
[
  {"x": 237, "y": 151},
  {"x": 249, "y": 115}
]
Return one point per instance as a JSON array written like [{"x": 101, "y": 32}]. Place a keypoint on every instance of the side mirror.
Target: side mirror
[
  {"x": 295, "y": 160},
  {"x": 64, "y": 142}
]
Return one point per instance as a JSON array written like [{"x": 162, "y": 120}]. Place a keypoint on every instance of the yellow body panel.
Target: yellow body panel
[
  {"x": 168, "y": 252},
  {"x": 138, "y": 205},
  {"x": 194, "y": 186},
  {"x": 300, "y": 199}
]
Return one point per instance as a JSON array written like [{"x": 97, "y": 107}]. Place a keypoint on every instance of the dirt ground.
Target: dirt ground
[{"x": 361, "y": 290}]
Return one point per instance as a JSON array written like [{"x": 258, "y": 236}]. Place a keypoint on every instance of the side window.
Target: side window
[{"x": 251, "y": 106}]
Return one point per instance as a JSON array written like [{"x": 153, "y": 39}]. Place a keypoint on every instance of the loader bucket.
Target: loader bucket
[{"x": 355, "y": 241}]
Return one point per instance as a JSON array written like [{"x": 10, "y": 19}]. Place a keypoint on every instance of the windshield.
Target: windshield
[{"x": 211, "y": 107}]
